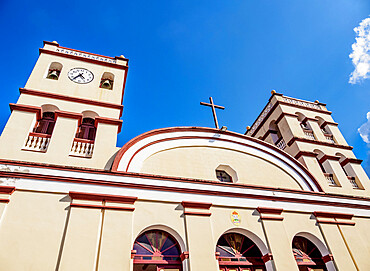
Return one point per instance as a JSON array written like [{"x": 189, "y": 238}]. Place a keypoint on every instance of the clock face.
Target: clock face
[{"x": 80, "y": 75}]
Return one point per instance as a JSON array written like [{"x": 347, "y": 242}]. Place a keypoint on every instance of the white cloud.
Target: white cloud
[
  {"x": 361, "y": 52},
  {"x": 364, "y": 130}
]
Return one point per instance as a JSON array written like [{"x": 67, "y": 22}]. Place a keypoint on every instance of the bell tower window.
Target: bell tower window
[
  {"x": 87, "y": 129},
  {"x": 107, "y": 80},
  {"x": 54, "y": 71},
  {"x": 46, "y": 124}
]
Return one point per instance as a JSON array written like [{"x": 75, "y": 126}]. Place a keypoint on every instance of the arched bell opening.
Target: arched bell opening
[
  {"x": 157, "y": 250},
  {"x": 237, "y": 252},
  {"x": 307, "y": 255}
]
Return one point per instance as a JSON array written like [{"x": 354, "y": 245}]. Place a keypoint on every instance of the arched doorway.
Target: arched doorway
[
  {"x": 157, "y": 251},
  {"x": 237, "y": 252},
  {"x": 307, "y": 255}
]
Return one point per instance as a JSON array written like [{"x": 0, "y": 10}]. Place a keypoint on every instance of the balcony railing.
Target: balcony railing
[
  {"x": 37, "y": 142},
  {"x": 352, "y": 180},
  {"x": 280, "y": 143},
  {"x": 82, "y": 148},
  {"x": 309, "y": 134},
  {"x": 329, "y": 138},
  {"x": 330, "y": 178}
]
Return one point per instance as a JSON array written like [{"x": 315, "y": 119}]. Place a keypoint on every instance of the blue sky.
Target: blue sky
[{"x": 182, "y": 52}]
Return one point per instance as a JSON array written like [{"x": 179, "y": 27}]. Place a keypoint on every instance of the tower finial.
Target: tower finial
[{"x": 273, "y": 92}]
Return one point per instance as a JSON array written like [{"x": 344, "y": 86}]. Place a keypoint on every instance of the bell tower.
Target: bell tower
[
  {"x": 69, "y": 111},
  {"x": 307, "y": 131}
]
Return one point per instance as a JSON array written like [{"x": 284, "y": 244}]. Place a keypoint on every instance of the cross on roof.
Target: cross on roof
[{"x": 211, "y": 104}]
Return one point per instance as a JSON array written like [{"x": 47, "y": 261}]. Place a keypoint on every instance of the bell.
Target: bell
[
  {"x": 106, "y": 84},
  {"x": 53, "y": 75}
]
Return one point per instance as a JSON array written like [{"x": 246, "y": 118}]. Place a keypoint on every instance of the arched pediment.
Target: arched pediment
[{"x": 194, "y": 152}]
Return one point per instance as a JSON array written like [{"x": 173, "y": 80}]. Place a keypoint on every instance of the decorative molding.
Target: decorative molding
[
  {"x": 300, "y": 139},
  {"x": 323, "y": 218},
  {"x": 305, "y": 153},
  {"x": 285, "y": 115},
  {"x": 109, "y": 121},
  {"x": 102, "y": 197},
  {"x": 309, "y": 119},
  {"x": 196, "y": 205},
  {"x": 118, "y": 208},
  {"x": 333, "y": 215},
  {"x": 70, "y": 98},
  {"x": 267, "y": 257},
  {"x": 184, "y": 255},
  {"x": 328, "y": 123},
  {"x": 350, "y": 160},
  {"x": 7, "y": 190},
  {"x": 133, "y": 253},
  {"x": 74, "y": 54},
  {"x": 266, "y": 210},
  {"x": 329, "y": 157},
  {"x": 26, "y": 108},
  {"x": 197, "y": 213},
  {"x": 328, "y": 258}
]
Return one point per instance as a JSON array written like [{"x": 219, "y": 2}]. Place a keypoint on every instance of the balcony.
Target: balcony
[
  {"x": 37, "y": 142},
  {"x": 352, "y": 180},
  {"x": 82, "y": 148},
  {"x": 330, "y": 178},
  {"x": 329, "y": 138},
  {"x": 280, "y": 143},
  {"x": 309, "y": 134}
]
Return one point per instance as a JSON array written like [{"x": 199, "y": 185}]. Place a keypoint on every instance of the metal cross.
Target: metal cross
[{"x": 211, "y": 104}]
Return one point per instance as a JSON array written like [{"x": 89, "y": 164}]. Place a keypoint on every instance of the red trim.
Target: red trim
[
  {"x": 323, "y": 221},
  {"x": 285, "y": 115},
  {"x": 7, "y": 190},
  {"x": 184, "y": 255},
  {"x": 101, "y": 197},
  {"x": 267, "y": 210},
  {"x": 4, "y": 200},
  {"x": 329, "y": 157},
  {"x": 266, "y": 217},
  {"x": 109, "y": 121},
  {"x": 70, "y": 115},
  {"x": 305, "y": 153},
  {"x": 197, "y": 205},
  {"x": 197, "y": 213},
  {"x": 333, "y": 215},
  {"x": 80, "y": 58},
  {"x": 70, "y": 98},
  {"x": 83, "y": 140},
  {"x": 217, "y": 255},
  {"x": 26, "y": 108},
  {"x": 350, "y": 160},
  {"x": 328, "y": 123},
  {"x": 310, "y": 119},
  {"x": 195, "y": 191},
  {"x": 202, "y": 129},
  {"x": 300, "y": 139},
  {"x": 39, "y": 135},
  {"x": 328, "y": 258},
  {"x": 267, "y": 257},
  {"x": 118, "y": 208},
  {"x": 133, "y": 253}
]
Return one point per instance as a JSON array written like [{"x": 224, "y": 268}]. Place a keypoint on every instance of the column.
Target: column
[
  {"x": 329, "y": 226},
  {"x": 116, "y": 238},
  {"x": 199, "y": 236},
  {"x": 279, "y": 243}
]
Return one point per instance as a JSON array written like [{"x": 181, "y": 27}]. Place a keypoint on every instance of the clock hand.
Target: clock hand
[{"x": 77, "y": 76}]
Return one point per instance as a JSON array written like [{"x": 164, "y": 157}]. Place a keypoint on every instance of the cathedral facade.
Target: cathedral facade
[{"x": 287, "y": 195}]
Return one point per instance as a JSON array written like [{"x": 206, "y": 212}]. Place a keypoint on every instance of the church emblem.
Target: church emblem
[{"x": 235, "y": 218}]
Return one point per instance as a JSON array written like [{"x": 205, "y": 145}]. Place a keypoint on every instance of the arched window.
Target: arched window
[
  {"x": 349, "y": 172},
  {"x": 325, "y": 130},
  {"x": 107, "y": 80},
  {"x": 276, "y": 136},
  {"x": 306, "y": 127},
  {"x": 238, "y": 253},
  {"x": 307, "y": 255},
  {"x": 326, "y": 170},
  {"x": 54, "y": 71},
  {"x": 87, "y": 129},
  {"x": 156, "y": 250},
  {"x": 46, "y": 124}
]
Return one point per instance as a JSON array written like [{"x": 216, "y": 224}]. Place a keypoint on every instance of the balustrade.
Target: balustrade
[
  {"x": 82, "y": 148},
  {"x": 330, "y": 178},
  {"x": 37, "y": 142},
  {"x": 280, "y": 143},
  {"x": 352, "y": 180},
  {"x": 309, "y": 134}
]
